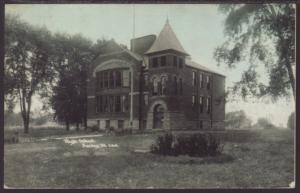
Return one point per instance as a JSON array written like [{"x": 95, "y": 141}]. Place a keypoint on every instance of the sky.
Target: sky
[{"x": 199, "y": 28}]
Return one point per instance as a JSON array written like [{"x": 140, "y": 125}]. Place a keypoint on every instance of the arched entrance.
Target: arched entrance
[{"x": 158, "y": 117}]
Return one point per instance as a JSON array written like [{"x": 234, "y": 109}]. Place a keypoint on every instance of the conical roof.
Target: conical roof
[{"x": 166, "y": 40}]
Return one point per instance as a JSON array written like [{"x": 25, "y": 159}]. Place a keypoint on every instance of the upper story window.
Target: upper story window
[
  {"x": 145, "y": 80},
  {"x": 201, "y": 80},
  {"x": 180, "y": 62},
  {"x": 155, "y": 86},
  {"x": 180, "y": 86},
  {"x": 201, "y": 104},
  {"x": 105, "y": 79},
  {"x": 175, "y": 61},
  {"x": 193, "y": 100},
  {"x": 146, "y": 99},
  {"x": 155, "y": 62},
  {"x": 118, "y": 78},
  {"x": 126, "y": 78},
  {"x": 163, "y": 61},
  {"x": 208, "y": 81},
  {"x": 112, "y": 79},
  {"x": 194, "y": 78},
  {"x": 124, "y": 103},
  {"x": 164, "y": 85},
  {"x": 208, "y": 104}
]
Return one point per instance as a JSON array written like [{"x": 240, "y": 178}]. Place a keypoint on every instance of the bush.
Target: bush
[
  {"x": 265, "y": 123},
  {"x": 123, "y": 131},
  {"x": 194, "y": 145},
  {"x": 94, "y": 128},
  {"x": 163, "y": 145}
]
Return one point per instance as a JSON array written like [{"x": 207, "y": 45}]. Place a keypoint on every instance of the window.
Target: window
[
  {"x": 105, "y": 79},
  {"x": 120, "y": 124},
  {"x": 194, "y": 78},
  {"x": 208, "y": 82},
  {"x": 201, "y": 80},
  {"x": 175, "y": 85},
  {"x": 175, "y": 61},
  {"x": 163, "y": 61},
  {"x": 180, "y": 62},
  {"x": 146, "y": 98},
  {"x": 105, "y": 103},
  {"x": 193, "y": 100},
  {"x": 111, "y": 103},
  {"x": 111, "y": 79},
  {"x": 124, "y": 102},
  {"x": 117, "y": 104},
  {"x": 118, "y": 77},
  {"x": 164, "y": 85},
  {"x": 99, "y": 81},
  {"x": 145, "y": 80},
  {"x": 125, "y": 78},
  {"x": 155, "y": 86},
  {"x": 107, "y": 124},
  {"x": 201, "y": 104},
  {"x": 155, "y": 62},
  {"x": 208, "y": 105},
  {"x": 180, "y": 86}
]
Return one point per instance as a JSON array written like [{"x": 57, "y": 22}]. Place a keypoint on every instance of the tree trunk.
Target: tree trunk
[{"x": 292, "y": 78}]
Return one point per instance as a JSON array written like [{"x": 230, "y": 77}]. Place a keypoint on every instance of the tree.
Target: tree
[
  {"x": 265, "y": 123},
  {"x": 69, "y": 99},
  {"x": 262, "y": 34},
  {"x": 28, "y": 66},
  {"x": 237, "y": 120},
  {"x": 291, "y": 121}
]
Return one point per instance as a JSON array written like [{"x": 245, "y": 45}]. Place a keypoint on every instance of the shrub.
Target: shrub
[
  {"x": 163, "y": 145},
  {"x": 123, "y": 131},
  {"x": 94, "y": 128},
  {"x": 194, "y": 145}
]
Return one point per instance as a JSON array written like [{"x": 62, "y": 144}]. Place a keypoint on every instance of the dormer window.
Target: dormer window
[
  {"x": 175, "y": 61},
  {"x": 163, "y": 61},
  {"x": 155, "y": 62},
  {"x": 180, "y": 62}
]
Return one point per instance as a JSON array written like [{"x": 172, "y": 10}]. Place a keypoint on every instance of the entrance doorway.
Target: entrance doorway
[{"x": 158, "y": 117}]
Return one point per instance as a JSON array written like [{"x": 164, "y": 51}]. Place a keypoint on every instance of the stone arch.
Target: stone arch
[
  {"x": 112, "y": 64},
  {"x": 150, "y": 114}
]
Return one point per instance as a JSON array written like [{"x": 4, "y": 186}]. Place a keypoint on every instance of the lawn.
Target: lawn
[{"x": 262, "y": 158}]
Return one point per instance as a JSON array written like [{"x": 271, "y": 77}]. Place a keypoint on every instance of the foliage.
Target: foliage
[
  {"x": 291, "y": 121},
  {"x": 163, "y": 145},
  {"x": 194, "y": 145},
  {"x": 265, "y": 123},
  {"x": 69, "y": 98},
  {"x": 237, "y": 120},
  {"x": 28, "y": 63},
  {"x": 263, "y": 34}
]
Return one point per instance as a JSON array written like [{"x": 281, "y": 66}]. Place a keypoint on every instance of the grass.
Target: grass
[{"x": 258, "y": 159}]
